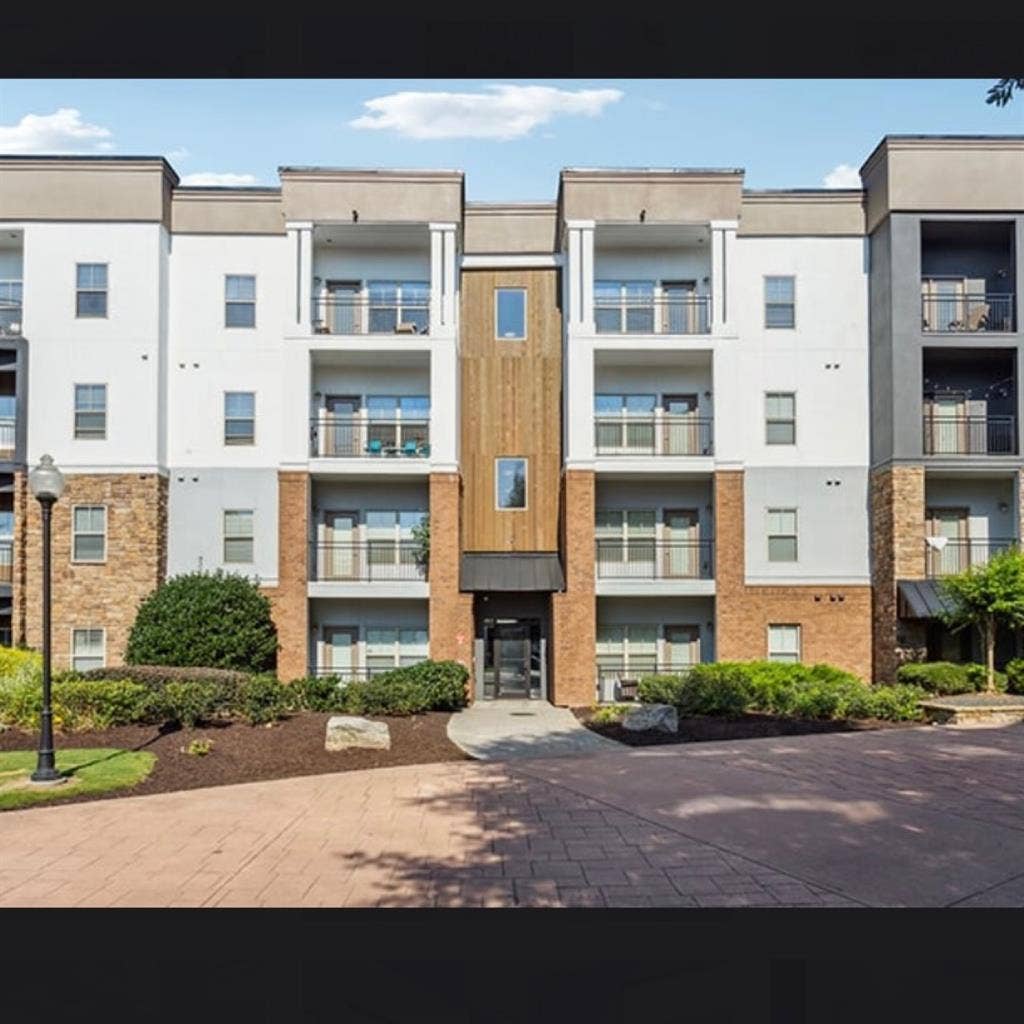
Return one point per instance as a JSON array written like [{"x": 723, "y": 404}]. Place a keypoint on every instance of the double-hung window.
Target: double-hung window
[
  {"x": 90, "y": 290},
  {"x": 627, "y": 650},
  {"x": 784, "y": 643},
  {"x": 388, "y": 648},
  {"x": 780, "y": 301},
  {"x": 238, "y": 536},
  {"x": 88, "y": 649},
  {"x": 626, "y": 543},
  {"x": 91, "y": 411},
  {"x": 624, "y": 423},
  {"x": 89, "y": 533},
  {"x": 239, "y": 417},
  {"x": 780, "y": 417},
  {"x": 782, "y": 535},
  {"x": 624, "y": 307},
  {"x": 239, "y": 300}
]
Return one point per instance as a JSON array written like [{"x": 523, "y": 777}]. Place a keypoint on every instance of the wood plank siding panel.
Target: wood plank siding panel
[{"x": 511, "y": 406}]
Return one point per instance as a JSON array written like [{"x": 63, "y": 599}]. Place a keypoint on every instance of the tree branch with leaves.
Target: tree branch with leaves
[{"x": 1002, "y": 92}]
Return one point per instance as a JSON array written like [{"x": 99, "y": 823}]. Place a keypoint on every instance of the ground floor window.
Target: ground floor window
[
  {"x": 367, "y": 650},
  {"x": 784, "y": 643},
  {"x": 87, "y": 649}
]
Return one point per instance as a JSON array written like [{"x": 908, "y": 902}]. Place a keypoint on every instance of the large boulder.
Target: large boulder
[
  {"x": 656, "y": 717},
  {"x": 347, "y": 731}
]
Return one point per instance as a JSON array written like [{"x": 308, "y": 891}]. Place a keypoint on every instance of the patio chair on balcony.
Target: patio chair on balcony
[
  {"x": 423, "y": 450},
  {"x": 375, "y": 447},
  {"x": 410, "y": 448},
  {"x": 977, "y": 317}
]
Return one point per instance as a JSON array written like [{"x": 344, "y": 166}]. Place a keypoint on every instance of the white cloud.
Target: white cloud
[
  {"x": 209, "y": 178},
  {"x": 501, "y": 112},
  {"x": 63, "y": 131},
  {"x": 181, "y": 153},
  {"x": 843, "y": 176}
]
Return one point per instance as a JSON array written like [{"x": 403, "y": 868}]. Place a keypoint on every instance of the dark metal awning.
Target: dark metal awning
[
  {"x": 920, "y": 599},
  {"x": 534, "y": 570}
]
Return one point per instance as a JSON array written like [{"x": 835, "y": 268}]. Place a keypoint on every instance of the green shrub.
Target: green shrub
[
  {"x": 204, "y": 619},
  {"x": 263, "y": 699},
  {"x": 157, "y": 676},
  {"x": 661, "y": 689},
  {"x": 895, "y": 703},
  {"x": 199, "y": 747},
  {"x": 947, "y": 677},
  {"x": 78, "y": 705},
  {"x": 194, "y": 703},
  {"x": 611, "y": 714},
  {"x": 978, "y": 676},
  {"x": 316, "y": 693},
  {"x": 1015, "y": 675},
  {"x": 713, "y": 689},
  {"x": 384, "y": 695},
  {"x": 443, "y": 683},
  {"x": 19, "y": 663}
]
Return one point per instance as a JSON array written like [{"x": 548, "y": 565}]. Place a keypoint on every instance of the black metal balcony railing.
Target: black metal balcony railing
[
  {"x": 10, "y": 307},
  {"x": 349, "y": 675},
  {"x": 654, "y": 314},
  {"x": 652, "y": 435},
  {"x": 372, "y": 561},
  {"x": 640, "y": 559},
  {"x": 970, "y": 435},
  {"x": 974, "y": 312},
  {"x": 625, "y": 676},
  {"x": 355, "y": 437},
  {"x": 957, "y": 555},
  {"x": 356, "y": 314},
  {"x": 6, "y": 561}
]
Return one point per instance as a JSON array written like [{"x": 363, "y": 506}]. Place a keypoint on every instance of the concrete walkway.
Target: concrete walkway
[
  {"x": 927, "y": 817},
  {"x": 499, "y": 730}
]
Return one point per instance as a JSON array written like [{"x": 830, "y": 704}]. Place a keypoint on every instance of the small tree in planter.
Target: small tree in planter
[
  {"x": 987, "y": 596},
  {"x": 421, "y": 534},
  {"x": 213, "y": 620}
]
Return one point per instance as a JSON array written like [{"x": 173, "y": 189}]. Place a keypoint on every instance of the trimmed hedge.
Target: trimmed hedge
[
  {"x": 78, "y": 705},
  {"x": 16, "y": 662},
  {"x": 410, "y": 690},
  {"x": 158, "y": 676},
  {"x": 948, "y": 677},
  {"x": 800, "y": 691}
]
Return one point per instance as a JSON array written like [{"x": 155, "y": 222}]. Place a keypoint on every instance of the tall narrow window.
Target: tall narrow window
[
  {"x": 239, "y": 300},
  {"x": 239, "y": 417},
  {"x": 91, "y": 411},
  {"x": 780, "y": 417},
  {"x": 782, "y": 535},
  {"x": 87, "y": 649},
  {"x": 91, "y": 290},
  {"x": 510, "y": 314},
  {"x": 780, "y": 302},
  {"x": 89, "y": 533},
  {"x": 784, "y": 643},
  {"x": 238, "y": 536},
  {"x": 510, "y": 483}
]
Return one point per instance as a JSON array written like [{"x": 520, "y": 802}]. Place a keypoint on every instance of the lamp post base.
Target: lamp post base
[{"x": 47, "y": 777}]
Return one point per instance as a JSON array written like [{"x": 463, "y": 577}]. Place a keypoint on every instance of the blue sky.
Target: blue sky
[{"x": 511, "y": 137}]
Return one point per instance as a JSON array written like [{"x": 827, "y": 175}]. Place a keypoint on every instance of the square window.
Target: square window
[
  {"x": 91, "y": 411},
  {"x": 784, "y": 643},
  {"x": 510, "y": 313},
  {"x": 239, "y": 417},
  {"x": 87, "y": 649},
  {"x": 510, "y": 483},
  {"x": 782, "y": 535},
  {"x": 90, "y": 290},
  {"x": 780, "y": 302},
  {"x": 780, "y": 417},
  {"x": 89, "y": 533},
  {"x": 238, "y": 536},
  {"x": 239, "y": 300}
]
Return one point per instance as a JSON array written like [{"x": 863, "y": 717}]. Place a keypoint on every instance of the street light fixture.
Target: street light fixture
[{"x": 46, "y": 482}]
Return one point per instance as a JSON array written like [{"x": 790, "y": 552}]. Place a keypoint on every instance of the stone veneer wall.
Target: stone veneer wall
[
  {"x": 574, "y": 612},
  {"x": 450, "y": 624},
  {"x": 289, "y": 600},
  {"x": 102, "y": 595},
  {"x": 897, "y": 552},
  {"x": 835, "y": 621}
]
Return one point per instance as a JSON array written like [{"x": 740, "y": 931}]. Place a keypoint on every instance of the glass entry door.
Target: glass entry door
[{"x": 512, "y": 658}]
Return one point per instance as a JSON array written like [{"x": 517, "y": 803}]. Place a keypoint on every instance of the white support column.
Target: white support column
[
  {"x": 443, "y": 284},
  {"x": 723, "y": 277},
  {"x": 444, "y": 404},
  {"x": 580, "y": 275},
  {"x": 300, "y": 238},
  {"x": 579, "y": 403},
  {"x": 296, "y": 405}
]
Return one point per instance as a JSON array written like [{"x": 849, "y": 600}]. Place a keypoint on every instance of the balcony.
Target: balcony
[
  {"x": 642, "y": 559},
  {"x": 10, "y": 308},
  {"x": 385, "y": 314},
  {"x": 953, "y": 311},
  {"x": 655, "y": 435},
  {"x": 643, "y": 311},
  {"x": 947, "y": 556},
  {"x": 969, "y": 435},
  {"x": 356, "y": 437},
  {"x": 6, "y": 561},
  {"x": 374, "y": 561}
]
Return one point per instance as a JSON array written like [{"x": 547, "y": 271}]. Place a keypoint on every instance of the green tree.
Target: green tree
[
  {"x": 212, "y": 620},
  {"x": 421, "y": 535},
  {"x": 1002, "y": 92},
  {"x": 987, "y": 596}
]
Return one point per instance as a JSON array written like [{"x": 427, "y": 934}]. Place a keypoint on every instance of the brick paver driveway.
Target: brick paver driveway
[{"x": 920, "y": 817}]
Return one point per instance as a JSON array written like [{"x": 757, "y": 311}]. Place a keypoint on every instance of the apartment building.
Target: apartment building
[{"x": 662, "y": 419}]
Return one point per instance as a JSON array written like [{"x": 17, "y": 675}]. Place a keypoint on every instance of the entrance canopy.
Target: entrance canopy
[
  {"x": 920, "y": 599},
  {"x": 520, "y": 571}
]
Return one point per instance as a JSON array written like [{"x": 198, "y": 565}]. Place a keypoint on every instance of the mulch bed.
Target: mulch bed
[
  {"x": 701, "y": 728},
  {"x": 245, "y": 753}
]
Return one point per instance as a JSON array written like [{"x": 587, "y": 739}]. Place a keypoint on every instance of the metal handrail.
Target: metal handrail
[
  {"x": 975, "y": 311},
  {"x": 651, "y": 559},
  {"x": 657, "y": 434},
  {"x": 368, "y": 437},
  {"x": 362, "y": 314},
  {"x": 373, "y": 561},
  {"x": 957, "y": 555},
  {"x": 653, "y": 314},
  {"x": 969, "y": 435}
]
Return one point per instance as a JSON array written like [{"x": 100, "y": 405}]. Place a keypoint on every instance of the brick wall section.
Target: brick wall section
[
  {"x": 897, "y": 552},
  {"x": 574, "y": 612},
  {"x": 18, "y": 559},
  {"x": 835, "y": 621},
  {"x": 450, "y": 611},
  {"x": 103, "y": 595},
  {"x": 289, "y": 600}
]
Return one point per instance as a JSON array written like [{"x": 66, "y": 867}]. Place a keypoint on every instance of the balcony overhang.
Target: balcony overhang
[{"x": 920, "y": 599}]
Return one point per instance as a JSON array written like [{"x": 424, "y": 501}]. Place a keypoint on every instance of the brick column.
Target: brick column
[
  {"x": 451, "y": 611},
  {"x": 290, "y": 598},
  {"x": 574, "y": 612},
  {"x": 897, "y": 552},
  {"x": 18, "y": 595},
  {"x": 730, "y": 610}
]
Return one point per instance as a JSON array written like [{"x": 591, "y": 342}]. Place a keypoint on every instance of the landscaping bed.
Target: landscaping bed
[
  {"x": 241, "y": 752},
  {"x": 701, "y": 728}
]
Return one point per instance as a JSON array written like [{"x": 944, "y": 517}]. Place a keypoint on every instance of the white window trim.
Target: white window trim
[
  {"x": 768, "y": 419},
  {"x": 82, "y": 629},
  {"x": 226, "y": 417},
  {"x": 526, "y": 300},
  {"x": 526, "y": 482},
  {"x": 105, "y": 291},
  {"x": 224, "y": 535},
  {"x": 785, "y": 625},
  {"x": 795, "y": 534},
  {"x": 74, "y": 533},
  {"x": 75, "y": 436},
  {"x": 239, "y": 302},
  {"x": 764, "y": 298}
]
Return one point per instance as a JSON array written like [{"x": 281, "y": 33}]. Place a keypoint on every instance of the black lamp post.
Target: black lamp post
[{"x": 46, "y": 482}]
